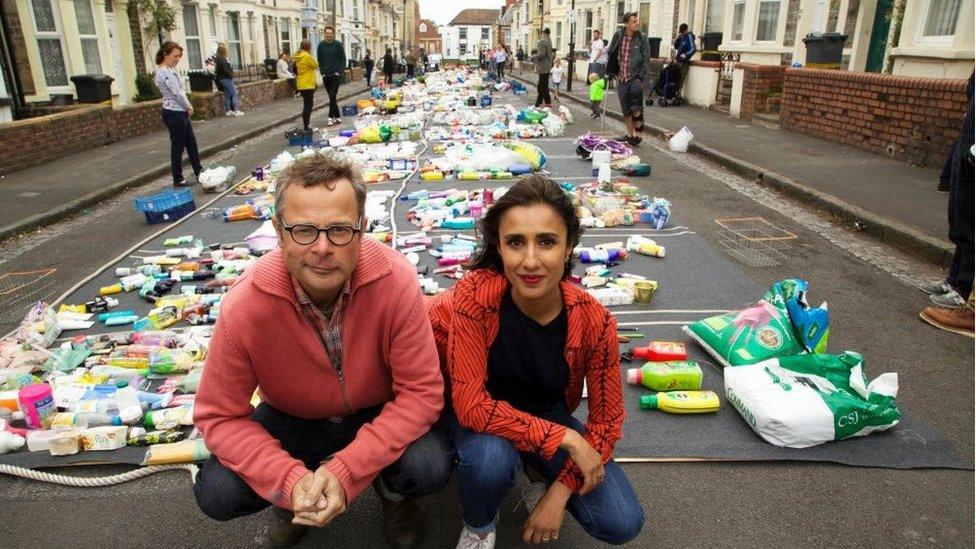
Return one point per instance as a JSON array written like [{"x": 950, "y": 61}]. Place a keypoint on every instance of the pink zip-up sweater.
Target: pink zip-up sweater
[{"x": 263, "y": 341}]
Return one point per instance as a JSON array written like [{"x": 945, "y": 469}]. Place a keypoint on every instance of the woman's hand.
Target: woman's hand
[
  {"x": 189, "y": 111},
  {"x": 546, "y": 519},
  {"x": 588, "y": 460}
]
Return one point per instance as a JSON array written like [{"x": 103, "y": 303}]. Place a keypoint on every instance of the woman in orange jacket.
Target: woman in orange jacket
[{"x": 517, "y": 341}]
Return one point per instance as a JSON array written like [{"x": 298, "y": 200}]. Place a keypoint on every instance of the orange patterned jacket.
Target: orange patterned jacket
[{"x": 465, "y": 323}]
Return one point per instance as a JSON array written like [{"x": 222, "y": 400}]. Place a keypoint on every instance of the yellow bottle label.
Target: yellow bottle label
[{"x": 688, "y": 402}]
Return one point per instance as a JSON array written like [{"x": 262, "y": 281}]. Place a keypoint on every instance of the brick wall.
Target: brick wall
[
  {"x": 19, "y": 48},
  {"x": 139, "y": 119},
  {"x": 762, "y": 86},
  {"x": 911, "y": 119}
]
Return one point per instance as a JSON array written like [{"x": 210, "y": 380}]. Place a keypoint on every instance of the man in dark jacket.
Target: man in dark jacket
[
  {"x": 629, "y": 62},
  {"x": 543, "y": 58},
  {"x": 332, "y": 65}
]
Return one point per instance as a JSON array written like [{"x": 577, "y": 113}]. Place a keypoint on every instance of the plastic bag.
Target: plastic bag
[
  {"x": 679, "y": 142},
  {"x": 805, "y": 400},
  {"x": 555, "y": 126},
  {"x": 765, "y": 330}
]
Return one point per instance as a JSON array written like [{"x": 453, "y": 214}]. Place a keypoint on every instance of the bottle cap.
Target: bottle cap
[
  {"x": 634, "y": 376},
  {"x": 116, "y": 420},
  {"x": 648, "y": 402}
]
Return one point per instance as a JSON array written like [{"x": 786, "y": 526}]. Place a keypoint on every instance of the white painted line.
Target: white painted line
[
  {"x": 673, "y": 311},
  {"x": 656, "y": 323}
]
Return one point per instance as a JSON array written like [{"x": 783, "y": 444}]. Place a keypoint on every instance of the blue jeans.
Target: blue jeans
[
  {"x": 487, "y": 466},
  {"x": 422, "y": 470},
  {"x": 230, "y": 95}
]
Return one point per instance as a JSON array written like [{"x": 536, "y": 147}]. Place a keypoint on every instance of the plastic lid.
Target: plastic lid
[
  {"x": 634, "y": 376},
  {"x": 648, "y": 402},
  {"x": 116, "y": 420}
]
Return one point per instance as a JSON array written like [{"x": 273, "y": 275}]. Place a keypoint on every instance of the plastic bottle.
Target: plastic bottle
[
  {"x": 169, "y": 418},
  {"x": 37, "y": 404},
  {"x": 667, "y": 376},
  {"x": 458, "y": 223},
  {"x": 69, "y": 420},
  {"x": 130, "y": 409},
  {"x": 599, "y": 256},
  {"x": 661, "y": 351},
  {"x": 682, "y": 402},
  {"x": 645, "y": 246}
]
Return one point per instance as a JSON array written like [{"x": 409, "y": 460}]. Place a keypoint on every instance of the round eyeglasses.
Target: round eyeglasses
[{"x": 338, "y": 235}]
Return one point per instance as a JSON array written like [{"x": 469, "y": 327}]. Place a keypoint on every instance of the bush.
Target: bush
[{"x": 146, "y": 89}]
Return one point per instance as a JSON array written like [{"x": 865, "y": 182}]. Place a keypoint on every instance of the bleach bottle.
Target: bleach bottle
[{"x": 667, "y": 376}]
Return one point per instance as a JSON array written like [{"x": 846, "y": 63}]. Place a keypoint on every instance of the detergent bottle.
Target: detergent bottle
[
  {"x": 681, "y": 402},
  {"x": 660, "y": 351},
  {"x": 600, "y": 256},
  {"x": 667, "y": 376}
]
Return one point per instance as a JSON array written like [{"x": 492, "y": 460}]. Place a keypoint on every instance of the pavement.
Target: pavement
[
  {"x": 47, "y": 193},
  {"x": 894, "y": 202},
  {"x": 688, "y": 504}
]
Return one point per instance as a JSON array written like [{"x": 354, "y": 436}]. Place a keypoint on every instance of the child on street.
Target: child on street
[
  {"x": 598, "y": 89},
  {"x": 557, "y": 77}
]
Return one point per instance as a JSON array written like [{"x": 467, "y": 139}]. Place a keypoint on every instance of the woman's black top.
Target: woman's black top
[
  {"x": 526, "y": 364},
  {"x": 222, "y": 68}
]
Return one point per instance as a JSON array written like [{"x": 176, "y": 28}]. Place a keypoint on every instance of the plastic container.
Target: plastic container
[
  {"x": 681, "y": 402},
  {"x": 667, "y": 376},
  {"x": 599, "y": 256},
  {"x": 37, "y": 403},
  {"x": 661, "y": 351},
  {"x": 168, "y": 205},
  {"x": 349, "y": 110}
]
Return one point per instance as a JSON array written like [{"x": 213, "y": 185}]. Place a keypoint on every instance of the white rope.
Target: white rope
[{"x": 94, "y": 482}]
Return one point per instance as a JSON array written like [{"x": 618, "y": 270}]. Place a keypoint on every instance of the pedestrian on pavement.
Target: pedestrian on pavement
[
  {"x": 556, "y": 75},
  {"x": 411, "y": 60},
  {"x": 388, "y": 65},
  {"x": 522, "y": 341},
  {"x": 224, "y": 74},
  {"x": 684, "y": 50},
  {"x": 629, "y": 62},
  {"x": 332, "y": 65},
  {"x": 176, "y": 114},
  {"x": 284, "y": 71},
  {"x": 598, "y": 54},
  {"x": 305, "y": 66},
  {"x": 481, "y": 58},
  {"x": 543, "y": 59},
  {"x": 520, "y": 57},
  {"x": 946, "y": 174},
  {"x": 501, "y": 57},
  {"x": 333, "y": 327},
  {"x": 598, "y": 90},
  {"x": 368, "y": 67},
  {"x": 959, "y": 282}
]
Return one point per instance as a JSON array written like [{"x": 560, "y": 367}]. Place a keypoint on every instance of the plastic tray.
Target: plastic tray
[
  {"x": 171, "y": 214},
  {"x": 164, "y": 201}
]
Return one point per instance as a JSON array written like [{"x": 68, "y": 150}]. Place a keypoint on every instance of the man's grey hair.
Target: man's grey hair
[{"x": 323, "y": 170}]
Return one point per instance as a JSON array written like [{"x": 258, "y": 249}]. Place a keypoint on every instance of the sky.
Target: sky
[{"x": 442, "y": 11}]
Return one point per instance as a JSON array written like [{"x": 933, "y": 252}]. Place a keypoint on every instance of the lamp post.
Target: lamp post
[{"x": 571, "y": 56}]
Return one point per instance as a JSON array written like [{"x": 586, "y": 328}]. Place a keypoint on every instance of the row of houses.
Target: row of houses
[
  {"x": 46, "y": 42},
  {"x": 928, "y": 38}
]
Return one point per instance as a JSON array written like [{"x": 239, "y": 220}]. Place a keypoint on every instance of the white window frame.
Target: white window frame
[
  {"x": 742, "y": 29},
  {"x": 780, "y": 23},
  {"x": 559, "y": 36},
  {"x": 821, "y": 14},
  {"x": 91, "y": 38},
  {"x": 234, "y": 17},
  {"x": 925, "y": 8},
  {"x": 285, "y": 31},
  {"x": 709, "y": 4},
  {"x": 214, "y": 33},
  {"x": 485, "y": 34},
  {"x": 58, "y": 34},
  {"x": 194, "y": 37}
]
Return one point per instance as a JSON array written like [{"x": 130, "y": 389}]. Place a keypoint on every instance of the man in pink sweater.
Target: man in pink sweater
[{"x": 332, "y": 331}]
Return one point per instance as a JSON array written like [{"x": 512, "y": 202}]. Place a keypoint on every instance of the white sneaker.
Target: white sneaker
[
  {"x": 470, "y": 540},
  {"x": 230, "y": 113},
  {"x": 949, "y": 299},
  {"x": 239, "y": 113}
]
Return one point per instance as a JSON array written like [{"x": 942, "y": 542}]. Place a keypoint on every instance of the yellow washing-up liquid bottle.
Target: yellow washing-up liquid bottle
[{"x": 681, "y": 402}]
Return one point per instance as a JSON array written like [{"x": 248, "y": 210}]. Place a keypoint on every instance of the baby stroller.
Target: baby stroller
[{"x": 667, "y": 87}]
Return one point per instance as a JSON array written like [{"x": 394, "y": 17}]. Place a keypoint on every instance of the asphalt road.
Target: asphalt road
[{"x": 691, "y": 504}]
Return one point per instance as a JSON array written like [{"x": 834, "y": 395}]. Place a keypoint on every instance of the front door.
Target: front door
[
  {"x": 113, "y": 37},
  {"x": 879, "y": 36}
]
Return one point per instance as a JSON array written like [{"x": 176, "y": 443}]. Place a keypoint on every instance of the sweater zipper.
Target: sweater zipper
[{"x": 337, "y": 371}]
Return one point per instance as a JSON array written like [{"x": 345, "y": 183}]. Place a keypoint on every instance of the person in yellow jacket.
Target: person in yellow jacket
[{"x": 305, "y": 67}]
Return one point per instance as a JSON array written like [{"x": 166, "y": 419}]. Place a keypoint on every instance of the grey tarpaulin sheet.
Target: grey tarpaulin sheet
[{"x": 695, "y": 282}]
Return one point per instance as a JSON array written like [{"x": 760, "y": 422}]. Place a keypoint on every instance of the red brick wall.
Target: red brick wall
[
  {"x": 25, "y": 143},
  {"x": 910, "y": 119},
  {"x": 761, "y": 86},
  {"x": 139, "y": 119},
  {"x": 19, "y": 47}
]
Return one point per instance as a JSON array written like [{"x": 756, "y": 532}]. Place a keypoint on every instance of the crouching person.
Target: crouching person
[{"x": 331, "y": 329}]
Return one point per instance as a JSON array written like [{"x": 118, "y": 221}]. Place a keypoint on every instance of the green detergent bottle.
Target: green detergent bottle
[{"x": 683, "y": 375}]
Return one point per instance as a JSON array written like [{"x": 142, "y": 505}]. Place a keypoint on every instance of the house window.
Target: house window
[
  {"x": 285, "y": 35},
  {"x": 423, "y": 28},
  {"x": 48, "y": 32},
  {"x": 942, "y": 17},
  {"x": 738, "y": 19},
  {"x": 464, "y": 49},
  {"x": 234, "y": 38},
  {"x": 213, "y": 22},
  {"x": 484, "y": 34},
  {"x": 192, "y": 31},
  {"x": 88, "y": 35},
  {"x": 559, "y": 35},
  {"x": 644, "y": 18},
  {"x": 355, "y": 10},
  {"x": 768, "y": 20},
  {"x": 587, "y": 27},
  {"x": 713, "y": 16},
  {"x": 463, "y": 33}
]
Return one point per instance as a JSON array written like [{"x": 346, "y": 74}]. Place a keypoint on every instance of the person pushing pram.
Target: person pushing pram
[{"x": 670, "y": 81}]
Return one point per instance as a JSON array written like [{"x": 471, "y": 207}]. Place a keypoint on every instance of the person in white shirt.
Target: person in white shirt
[
  {"x": 557, "y": 77},
  {"x": 501, "y": 57},
  {"x": 284, "y": 71},
  {"x": 598, "y": 55}
]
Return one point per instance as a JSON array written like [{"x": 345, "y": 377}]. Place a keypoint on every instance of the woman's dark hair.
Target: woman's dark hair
[
  {"x": 305, "y": 45},
  {"x": 533, "y": 189},
  {"x": 165, "y": 49}
]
